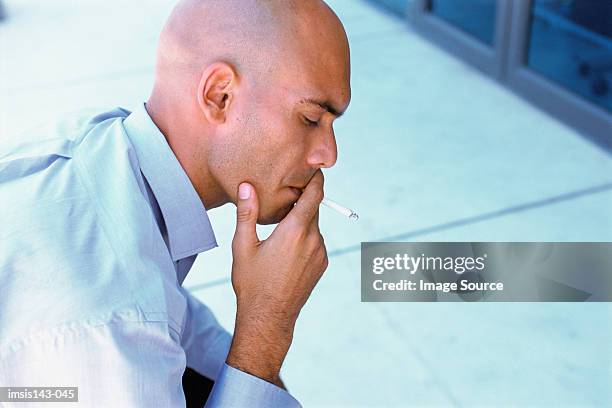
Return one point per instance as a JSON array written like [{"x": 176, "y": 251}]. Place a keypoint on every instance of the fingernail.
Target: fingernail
[{"x": 244, "y": 191}]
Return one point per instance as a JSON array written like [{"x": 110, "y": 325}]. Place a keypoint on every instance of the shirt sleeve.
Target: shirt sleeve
[
  {"x": 206, "y": 345},
  {"x": 235, "y": 388},
  {"x": 205, "y": 342},
  {"x": 119, "y": 363}
]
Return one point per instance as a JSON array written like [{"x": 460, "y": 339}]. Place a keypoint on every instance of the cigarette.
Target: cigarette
[{"x": 347, "y": 212}]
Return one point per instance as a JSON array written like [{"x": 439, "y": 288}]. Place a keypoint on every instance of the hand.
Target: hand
[{"x": 273, "y": 279}]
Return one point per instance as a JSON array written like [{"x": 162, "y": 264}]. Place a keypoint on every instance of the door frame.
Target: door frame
[
  {"x": 505, "y": 61},
  {"x": 486, "y": 58},
  {"x": 589, "y": 119}
]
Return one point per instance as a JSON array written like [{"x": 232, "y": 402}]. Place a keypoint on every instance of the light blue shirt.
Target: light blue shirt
[{"x": 99, "y": 226}]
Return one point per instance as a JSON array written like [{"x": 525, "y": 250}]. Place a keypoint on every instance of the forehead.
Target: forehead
[
  {"x": 327, "y": 89},
  {"x": 335, "y": 103},
  {"x": 315, "y": 58}
]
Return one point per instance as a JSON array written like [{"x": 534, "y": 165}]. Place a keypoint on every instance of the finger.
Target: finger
[
  {"x": 247, "y": 211},
  {"x": 313, "y": 227},
  {"x": 308, "y": 203}
]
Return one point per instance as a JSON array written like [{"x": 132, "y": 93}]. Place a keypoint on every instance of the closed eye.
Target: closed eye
[{"x": 312, "y": 123}]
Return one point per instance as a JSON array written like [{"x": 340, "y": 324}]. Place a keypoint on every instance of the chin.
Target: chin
[{"x": 274, "y": 217}]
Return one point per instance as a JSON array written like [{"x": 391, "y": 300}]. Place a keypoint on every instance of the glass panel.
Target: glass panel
[
  {"x": 571, "y": 44},
  {"x": 475, "y": 17}
]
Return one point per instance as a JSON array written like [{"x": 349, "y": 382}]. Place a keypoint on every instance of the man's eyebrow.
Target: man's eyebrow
[{"x": 325, "y": 105}]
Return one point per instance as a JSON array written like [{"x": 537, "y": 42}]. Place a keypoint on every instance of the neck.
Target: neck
[{"x": 189, "y": 144}]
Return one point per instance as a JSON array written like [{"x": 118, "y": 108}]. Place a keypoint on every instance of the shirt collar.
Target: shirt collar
[{"x": 188, "y": 227}]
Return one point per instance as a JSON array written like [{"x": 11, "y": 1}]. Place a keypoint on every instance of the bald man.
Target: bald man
[{"x": 103, "y": 215}]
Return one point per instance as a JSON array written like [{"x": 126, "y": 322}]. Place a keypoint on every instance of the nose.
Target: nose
[{"x": 324, "y": 152}]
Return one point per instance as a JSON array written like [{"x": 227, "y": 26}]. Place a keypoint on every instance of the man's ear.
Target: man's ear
[{"x": 216, "y": 91}]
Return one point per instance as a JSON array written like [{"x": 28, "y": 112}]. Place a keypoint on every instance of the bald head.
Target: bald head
[
  {"x": 247, "y": 90},
  {"x": 259, "y": 38}
]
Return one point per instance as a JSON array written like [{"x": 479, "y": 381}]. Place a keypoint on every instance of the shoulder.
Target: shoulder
[
  {"x": 57, "y": 137},
  {"x": 78, "y": 237},
  {"x": 65, "y": 177}
]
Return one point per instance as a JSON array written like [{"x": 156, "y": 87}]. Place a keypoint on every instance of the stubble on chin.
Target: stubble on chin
[{"x": 277, "y": 216}]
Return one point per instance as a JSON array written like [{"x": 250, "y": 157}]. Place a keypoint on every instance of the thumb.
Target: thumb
[{"x": 247, "y": 211}]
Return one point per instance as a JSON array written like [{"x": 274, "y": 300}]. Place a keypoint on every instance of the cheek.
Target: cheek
[
  {"x": 288, "y": 157},
  {"x": 256, "y": 153},
  {"x": 280, "y": 148},
  {"x": 268, "y": 148}
]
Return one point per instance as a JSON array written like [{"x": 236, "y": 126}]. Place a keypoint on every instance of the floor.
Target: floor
[{"x": 430, "y": 150}]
